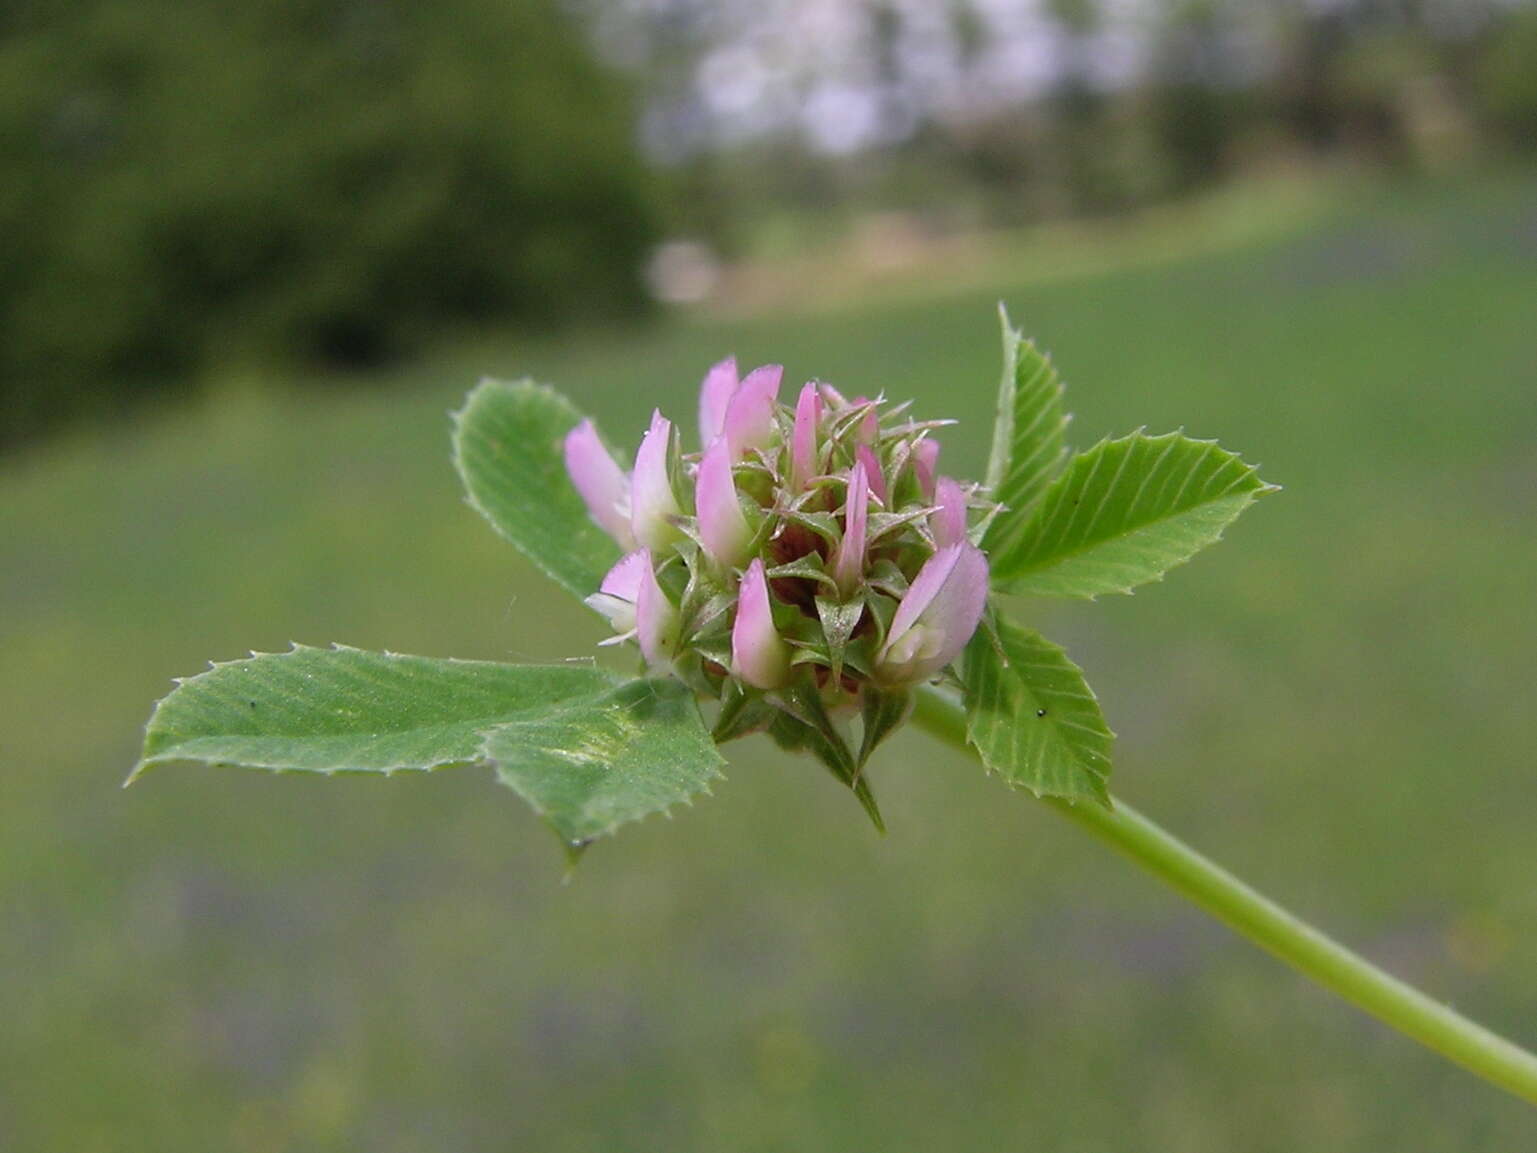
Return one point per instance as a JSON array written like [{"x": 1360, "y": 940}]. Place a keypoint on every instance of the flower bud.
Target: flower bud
[
  {"x": 601, "y": 482},
  {"x": 616, "y": 598},
  {"x": 948, "y": 521},
  {"x": 750, "y": 422},
  {"x": 925, "y": 457},
  {"x": 874, "y": 476},
  {"x": 877, "y": 583},
  {"x": 652, "y": 503},
  {"x": 803, "y": 448},
  {"x": 849, "y": 562},
  {"x": 656, "y": 620},
  {"x": 715, "y": 393},
  {"x": 868, "y": 427},
  {"x": 723, "y": 529},
  {"x": 759, "y": 655},
  {"x": 936, "y": 617}
]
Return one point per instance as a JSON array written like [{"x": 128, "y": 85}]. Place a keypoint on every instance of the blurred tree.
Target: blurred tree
[
  {"x": 1507, "y": 81},
  {"x": 186, "y": 181},
  {"x": 1081, "y": 133},
  {"x": 1197, "y": 97}
]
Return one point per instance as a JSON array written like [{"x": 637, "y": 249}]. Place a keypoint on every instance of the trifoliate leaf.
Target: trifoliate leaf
[
  {"x": 329, "y": 710},
  {"x": 508, "y": 442},
  {"x": 602, "y": 760},
  {"x": 1124, "y": 513},
  {"x": 1032, "y": 717}
]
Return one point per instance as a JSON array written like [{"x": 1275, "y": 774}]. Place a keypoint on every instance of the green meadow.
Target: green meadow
[{"x": 1339, "y": 703}]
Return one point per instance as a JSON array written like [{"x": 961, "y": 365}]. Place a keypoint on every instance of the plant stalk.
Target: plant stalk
[{"x": 1256, "y": 917}]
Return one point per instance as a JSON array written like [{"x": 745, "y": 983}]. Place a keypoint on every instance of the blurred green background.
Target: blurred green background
[{"x": 1337, "y": 703}]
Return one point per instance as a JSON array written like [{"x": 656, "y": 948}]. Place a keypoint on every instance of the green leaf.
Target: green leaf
[
  {"x": 600, "y": 761},
  {"x": 1032, "y": 717},
  {"x": 508, "y": 448},
  {"x": 1028, "y": 445},
  {"x": 325, "y": 710},
  {"x": 1124, "y": 513}
]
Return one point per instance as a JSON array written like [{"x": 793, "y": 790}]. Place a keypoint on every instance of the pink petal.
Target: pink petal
[
  {"x": 873, "y": 474},
  {"x": 616, "y": 597},
  {"x": 656, "y": 620},
  {"x": 600, "y": 481},
  {"x": 868, "y": 430},
  {"x": 625, "y": 578},
  {"x": 803, "y": 446},
  {"x": 948, "y": 522},
  {"x": 749, "y": 420},
  {"x": 652, "y": 503},
  {"x": 714, "y": 396},
  {"x": 722, "y": 527},
  {"x": 926, "y": 466},
  {"x": 938, "y": 615},
  {"x": 759, "y": 655},
  {"x": 849, "y": 564},
  {"x": 834, "y": 399}
]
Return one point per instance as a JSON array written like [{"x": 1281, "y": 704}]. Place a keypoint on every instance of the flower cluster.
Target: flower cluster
[{"x": 805, "y": 552}]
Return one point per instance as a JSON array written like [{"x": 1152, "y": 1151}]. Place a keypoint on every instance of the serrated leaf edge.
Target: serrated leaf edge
[
  {"x": 1248, "y": 497},
  {"x": 1101, "y": 777},
  {"x": 608, "y": 830},
  {"x": 144, "y": 764},
  {"x": 487, "y": 384}
]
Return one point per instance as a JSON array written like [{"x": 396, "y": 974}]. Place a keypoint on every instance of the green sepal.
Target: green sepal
[
  {"x": 839, "y": 620},
  {"x": 804, "y": 726},
  {"x": 886, "y": 576},
  {"x": 882, "y": 712},
  {"x": 743, "y": 711},
  {"x": 808, "y": 567},
  {"x": 824, "y": 524},
  {"x": 883, "y": 523}
]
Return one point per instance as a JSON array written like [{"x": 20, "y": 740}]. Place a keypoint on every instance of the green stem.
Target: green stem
[{"x": 1271, "y": 927}]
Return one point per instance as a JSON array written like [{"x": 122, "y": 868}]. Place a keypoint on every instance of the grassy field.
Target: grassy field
[{"x": 1338, "y": 703}]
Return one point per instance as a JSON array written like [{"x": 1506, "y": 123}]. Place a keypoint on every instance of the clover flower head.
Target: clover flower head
[{"x": 807, "y": 555}]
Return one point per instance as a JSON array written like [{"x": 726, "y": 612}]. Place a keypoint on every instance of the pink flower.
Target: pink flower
[
  {"x": 759, "y": 655},
  {"x": 618, "y": 593},
  {"x": 601, "y": 482},
  {"x": 723, "y": 529},
  {"x": 948, "y": 521},
  {"x": 656, "y": 620},
  {"x": 937, "y": 616},
  {"x": 653, "y": 506},
  {"x": 925, "y": 466},
  {"x": 873, "y": 474},
  {"x": 868, "y": 430},
  {"x": 715, "y": 393},
  {"x": 803, "y": 445},
  {"x": 849, "y": 561},
  {"x": 637, "y": 607},
  {"x": 749, "y": 421}
]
